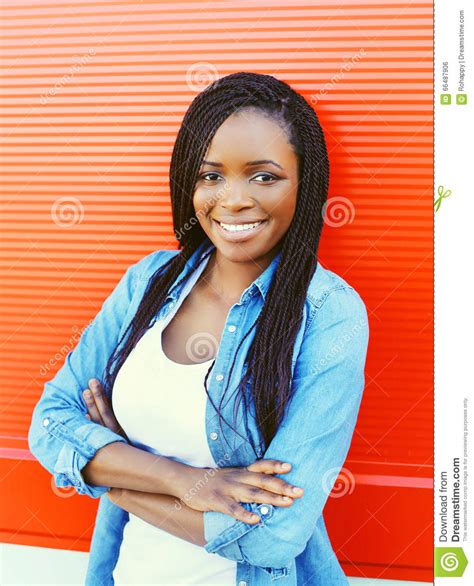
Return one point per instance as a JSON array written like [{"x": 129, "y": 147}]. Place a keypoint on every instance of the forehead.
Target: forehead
[{"x": 249, "y": 135}]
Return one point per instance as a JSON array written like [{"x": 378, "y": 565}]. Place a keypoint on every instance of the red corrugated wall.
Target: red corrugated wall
[{"x": 93, "y": 96}]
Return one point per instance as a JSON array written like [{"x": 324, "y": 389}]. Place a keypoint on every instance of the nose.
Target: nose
[{"x": 235, "y": 196}]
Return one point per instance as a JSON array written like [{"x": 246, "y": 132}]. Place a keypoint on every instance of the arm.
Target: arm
[
  {"x": 163, "y": 511},
  {"x": 121, "y": 465},
  {"x": 203, "y": 489},
  {"x": 60, "y": 436},
  {"x": 314, "y": 437}
]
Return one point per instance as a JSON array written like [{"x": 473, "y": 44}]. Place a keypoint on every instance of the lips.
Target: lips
[
  {"x": 239, "y": 221},
  {"x": 239, "y": 235}
]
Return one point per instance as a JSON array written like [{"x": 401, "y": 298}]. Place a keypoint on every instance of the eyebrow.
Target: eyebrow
[{"x": 249, "y": 164}]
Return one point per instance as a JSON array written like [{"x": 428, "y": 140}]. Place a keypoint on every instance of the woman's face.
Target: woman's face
[{"x": 249, "y": 175}]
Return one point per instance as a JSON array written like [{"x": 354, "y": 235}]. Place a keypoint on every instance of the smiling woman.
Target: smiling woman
[
  {"x": 247, "y": 200},
  {"x": 191, "y": 485}
]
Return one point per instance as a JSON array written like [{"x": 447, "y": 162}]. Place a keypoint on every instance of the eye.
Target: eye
[
  {"x": 268, "y": 175},
  {"x": 204, "y": 175}
]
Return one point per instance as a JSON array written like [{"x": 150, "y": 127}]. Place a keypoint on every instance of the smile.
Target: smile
[
  {"x": 239, "y": 227},
  {"x": 239, "y": 232}
]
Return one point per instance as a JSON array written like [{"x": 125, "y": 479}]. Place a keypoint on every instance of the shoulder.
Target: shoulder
[
  {"x": 331, "y": 298},
  {"x": 148, "y": 264},
  {"x": 336, "y": 331}
]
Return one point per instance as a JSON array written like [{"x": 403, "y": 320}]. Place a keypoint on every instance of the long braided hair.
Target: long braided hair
[{"x": 269, "y": 359}]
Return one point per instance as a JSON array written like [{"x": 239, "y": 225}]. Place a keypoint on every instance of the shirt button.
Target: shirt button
[
  {"x": 231, "y": 328},
  {"x": 45, "y": 421},
  {"x": 172, "y": 304},
  {"x": 219, "y": 376},
  {"x": 264, "y": 510},
  {"x": 242, "y": 583},
  {"x": 213, "y": 435}
]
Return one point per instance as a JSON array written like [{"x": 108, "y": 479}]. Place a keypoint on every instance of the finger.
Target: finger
[
  {"x": 91, "y": 406},
  {"x": 271, "y": 483},
  {"x": 88, "y": 416},
  {"x": 240, "y": 513},
  {"x": 258, "y": 495},
  {"x": 103, "y": 404},
  {"x": 270, "y": 466}
]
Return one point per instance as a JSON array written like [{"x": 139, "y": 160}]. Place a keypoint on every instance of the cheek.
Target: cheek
[
  {"x": 200, "y": 202},
  {"x": 284, "y": 209}
]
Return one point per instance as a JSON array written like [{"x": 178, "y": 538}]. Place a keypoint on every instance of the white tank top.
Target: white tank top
[{"x": 161, "y": 406}]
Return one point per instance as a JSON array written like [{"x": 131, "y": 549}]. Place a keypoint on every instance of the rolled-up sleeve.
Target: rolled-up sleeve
[
  {"x": 314, "y": 437},
  {"x": 60, "y": 436}
]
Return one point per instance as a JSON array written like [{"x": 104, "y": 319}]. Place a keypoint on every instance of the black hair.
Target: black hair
[{"x": 270, "y": 354}]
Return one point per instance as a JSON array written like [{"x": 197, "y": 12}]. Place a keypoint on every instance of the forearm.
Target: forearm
[
  {"x": 163, "y": 511},
  {"x": 121, "y": 465}
]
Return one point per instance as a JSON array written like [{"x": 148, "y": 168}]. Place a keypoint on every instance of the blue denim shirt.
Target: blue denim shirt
[{"x": 289, "y": 544}]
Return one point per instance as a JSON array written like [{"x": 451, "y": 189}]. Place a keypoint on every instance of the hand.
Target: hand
[
  {"x": 222, "y": 489},
  {"x": 99, "y": 408}
]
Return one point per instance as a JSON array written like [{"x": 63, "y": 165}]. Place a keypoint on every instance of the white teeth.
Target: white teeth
[{"x": 239, "y": 227}]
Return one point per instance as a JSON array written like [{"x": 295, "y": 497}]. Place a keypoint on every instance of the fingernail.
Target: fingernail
[
  {"x": 285, "y": 465},
  {"x": 296, "y": 489},
  {"x": 87, "y": 394},
  {"x": 286, "y": 499}
]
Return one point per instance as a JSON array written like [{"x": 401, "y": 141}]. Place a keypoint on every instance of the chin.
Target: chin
[{"x": 240, "y": 253}]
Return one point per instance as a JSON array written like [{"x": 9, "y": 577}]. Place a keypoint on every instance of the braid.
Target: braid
[{"x": 269, "y": 359}]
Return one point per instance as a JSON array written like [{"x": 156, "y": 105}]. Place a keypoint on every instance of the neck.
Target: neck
[{"x": 226, "y": 280}]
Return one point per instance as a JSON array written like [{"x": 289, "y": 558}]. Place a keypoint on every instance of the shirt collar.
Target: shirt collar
[{"x": 262, "y": 282}]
